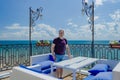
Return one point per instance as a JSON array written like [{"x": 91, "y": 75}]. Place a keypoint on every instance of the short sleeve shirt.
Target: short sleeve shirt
[{"x": 60, "y": 45}]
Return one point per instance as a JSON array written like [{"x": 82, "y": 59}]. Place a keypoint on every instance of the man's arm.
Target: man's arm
[
  {"x": 52, "y": 50},
  {"x": 68, "y": 51}
]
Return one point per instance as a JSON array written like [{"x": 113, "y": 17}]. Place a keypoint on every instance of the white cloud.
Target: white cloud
[
  {"x": 114, "y": 1},
  {"x": 77, "y": 32},
  {"x": 18, "y": 32},
  {"x": 70, "y": 23},
  {"x": 99, "y": 2},
  {"x": 116, "y": 20},
  {"x": 16, "y": 26},
  {"x": 106, "y": 31},
  {"x": 15, "y": 31},
  {"x": 44, "y": 31},
  {"x": 99, "y": 27},
  {"x": 96, "y": 17},
  {"x": 82, "y": 32},
  {"x": 116, "y": 16},
  {"x": 86, "y": 0}
]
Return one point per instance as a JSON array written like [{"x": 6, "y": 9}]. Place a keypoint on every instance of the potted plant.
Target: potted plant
[{"x": 43, "y": 43}]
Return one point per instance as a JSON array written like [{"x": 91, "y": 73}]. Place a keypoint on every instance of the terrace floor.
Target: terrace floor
[
  {"x": 5, "y": 79},
  {"x": 69, "y": 77}
]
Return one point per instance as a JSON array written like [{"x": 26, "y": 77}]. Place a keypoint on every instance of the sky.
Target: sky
[{"x": 59, "y": 14}]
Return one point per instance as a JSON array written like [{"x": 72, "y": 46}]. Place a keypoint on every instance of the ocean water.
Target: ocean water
[{"x": 3, "y": 42}]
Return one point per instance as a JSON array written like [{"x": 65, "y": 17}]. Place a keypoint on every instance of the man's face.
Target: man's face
[{"x": 61, "y": 33}]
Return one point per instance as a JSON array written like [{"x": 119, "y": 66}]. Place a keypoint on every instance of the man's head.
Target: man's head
[{"x": 61, "y": 33}]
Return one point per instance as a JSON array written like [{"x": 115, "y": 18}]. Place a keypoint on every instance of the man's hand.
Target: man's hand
[
  {"x": 52, "y": 50},
  {"x": 70, "y": 57},
  {"x": 54, "y": 57},
  {"x": 68, "y": 51}
]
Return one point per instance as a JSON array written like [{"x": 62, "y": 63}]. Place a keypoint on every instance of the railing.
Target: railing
[
  {"x": 13, "y": 55},
  {"x": 102, "y": 51}
]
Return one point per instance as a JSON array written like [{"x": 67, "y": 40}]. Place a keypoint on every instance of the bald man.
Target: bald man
[{"x": 58, "y": 48}]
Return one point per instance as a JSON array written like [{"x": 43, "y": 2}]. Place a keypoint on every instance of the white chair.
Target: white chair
[
  {"x": 40, "y": 58},
  {"x": 113, "y": 66},
  {"x": 5, "y": 75},
  {"x": 112, "y": 63},
  {"x": 19, "y": 73}
]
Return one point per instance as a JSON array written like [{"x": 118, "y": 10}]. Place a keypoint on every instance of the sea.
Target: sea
[{"x": 5, "y": 42}]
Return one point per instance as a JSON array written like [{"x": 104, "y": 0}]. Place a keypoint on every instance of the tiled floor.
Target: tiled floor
[
  {"x": 5, "y": 79},
  {"x": 69, "y": 77},
  {"x": 78, "y": 77},
  {"x": 66, "y": 78}
]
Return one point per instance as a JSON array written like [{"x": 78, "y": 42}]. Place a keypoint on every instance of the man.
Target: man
[{"x": 58, "y": 51}]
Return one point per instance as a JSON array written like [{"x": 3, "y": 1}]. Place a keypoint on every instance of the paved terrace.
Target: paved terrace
[{"x": 69, "y": 77}]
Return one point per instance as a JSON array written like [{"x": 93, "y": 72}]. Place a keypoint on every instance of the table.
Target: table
[{"x": 74, "y": 64}]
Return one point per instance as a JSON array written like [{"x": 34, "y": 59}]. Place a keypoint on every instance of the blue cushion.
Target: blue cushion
[
  {"x": 103, "y": 76},
  {"x": 98, "y": 68},
  {"x": 32, "y": 69},
  {"x": 47, "y": 71},
  {"x": 45, "y": 64},
  {"x": 89, "y": 77},
  {"x": 22, "y": 66},
  {"x": 51, "y": 58}
]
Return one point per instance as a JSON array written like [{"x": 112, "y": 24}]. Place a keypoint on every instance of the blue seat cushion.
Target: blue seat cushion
[
  {"x": 47, "y": 71},
  {"x": 45, "y": 64},
  {"x": 32, "y": 69},
  {"x": 89, "y": 77},
  {"x": 98, "y": 68},
  {"x": 51, "y": 58},
  {"x": 103, "y": 76}
]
